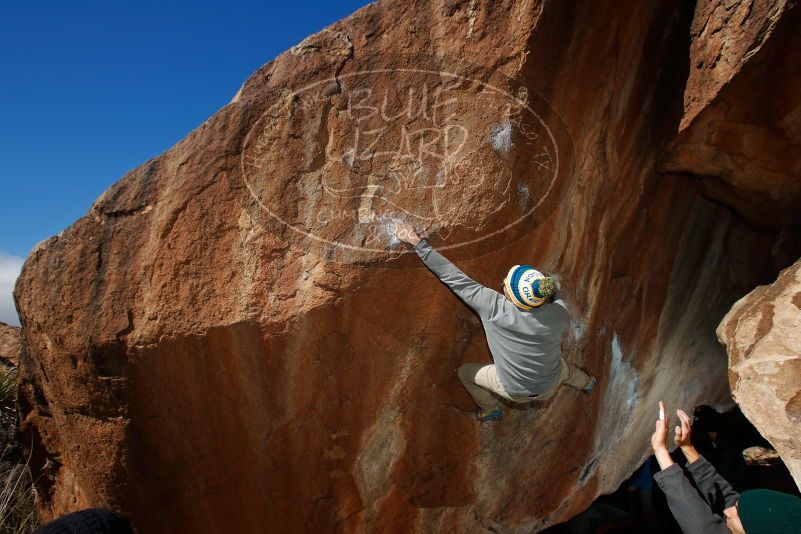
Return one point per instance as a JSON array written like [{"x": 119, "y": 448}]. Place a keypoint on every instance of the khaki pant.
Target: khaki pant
[{"x": 481, "y": 381}]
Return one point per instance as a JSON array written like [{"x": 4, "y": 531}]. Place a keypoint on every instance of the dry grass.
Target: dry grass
[
  {"x": 8, "y": 395},
  {"x": 17, "y": 515}
]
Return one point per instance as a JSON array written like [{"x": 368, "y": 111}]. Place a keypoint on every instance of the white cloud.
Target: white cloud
[{"x": 10, "y": 267}]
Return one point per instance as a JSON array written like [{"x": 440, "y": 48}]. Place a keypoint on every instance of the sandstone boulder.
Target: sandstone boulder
[
  {"x": 762, "y": 334},
  {"x": 9, "y": 344},
  {"x": 230, "y": 341}
]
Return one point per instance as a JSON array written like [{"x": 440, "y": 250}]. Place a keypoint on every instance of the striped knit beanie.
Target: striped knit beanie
[
  {"x": 769, "y": 512},
  {"x": 527, "y": 287}
]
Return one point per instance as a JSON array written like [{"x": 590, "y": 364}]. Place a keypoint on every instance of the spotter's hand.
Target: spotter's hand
[
  {"x": 660, "y": 435},
  {"x": 682, "y": 437}
]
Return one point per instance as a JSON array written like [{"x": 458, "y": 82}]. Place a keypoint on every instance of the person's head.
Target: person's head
[
  {"x": 706, "y": 421},
  {"x": 764, "y": 512},
  {"x": 89, "y": 521},
  {"x": 528, "y": 288}
]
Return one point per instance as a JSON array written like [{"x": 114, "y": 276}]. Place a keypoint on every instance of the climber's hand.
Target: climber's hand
[
  {"x": 682, "y": 437},
  {"x": 660, "y": 435},
  {"x": 406, "y": 232}
]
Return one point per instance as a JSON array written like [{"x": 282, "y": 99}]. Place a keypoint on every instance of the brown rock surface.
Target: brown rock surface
[
  {"x": 741, "y": 132},
  {"x": 229, "y": 342},
  {"x": 761, "y": 457},
  {"x": 9, "y": 343},
  {"x": 762, "y": 334}
]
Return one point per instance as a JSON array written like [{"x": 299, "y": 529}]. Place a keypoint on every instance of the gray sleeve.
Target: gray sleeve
[
  {"x": 486, "y": 302},
  {"x": 689, "y": 509},
  {"x": 715, "y": 490}
]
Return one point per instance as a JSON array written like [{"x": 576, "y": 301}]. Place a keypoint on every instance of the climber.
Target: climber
[
  {"x": 709, "y": 504},
  {"x": 524, "y": 332}
]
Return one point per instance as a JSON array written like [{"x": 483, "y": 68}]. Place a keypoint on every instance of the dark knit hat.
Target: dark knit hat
[
  {"x": 769, "y": 512},
  {"x": 89, "y": 521}
]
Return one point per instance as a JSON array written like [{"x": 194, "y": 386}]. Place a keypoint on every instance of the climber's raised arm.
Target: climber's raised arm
[{"x": 485, "y": 301}]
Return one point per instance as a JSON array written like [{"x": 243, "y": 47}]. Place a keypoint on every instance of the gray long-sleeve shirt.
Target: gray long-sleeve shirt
[
  {"x": 697, "y": 510},
  {"x": 525, "y": 345}
]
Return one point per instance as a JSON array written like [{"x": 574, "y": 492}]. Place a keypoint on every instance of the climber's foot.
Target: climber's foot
[
  {"x": 462, "y": 411},
  {"x": 489, "y": 415},
  {"x": 587, "y": 390}
]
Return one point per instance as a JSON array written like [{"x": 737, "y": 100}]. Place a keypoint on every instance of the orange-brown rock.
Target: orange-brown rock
[
  {"x": 762, "y": 334},
  {"x": 741, "y": 130},
  {"x": 230, "y": 341},
  {"x": 9, "y": 344},
  {"x": 761, "y": 457}
]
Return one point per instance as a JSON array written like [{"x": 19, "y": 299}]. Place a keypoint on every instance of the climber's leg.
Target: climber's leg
[
  {"x": 575, "y": 377},
  {"x": 480, "y": 381},
  {"x": 572, "y": 376}
]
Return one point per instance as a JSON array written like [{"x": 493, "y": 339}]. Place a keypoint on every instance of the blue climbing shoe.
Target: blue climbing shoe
[
  {"x": 484, "y": 415},
  {"x": 587, "y": 390}
]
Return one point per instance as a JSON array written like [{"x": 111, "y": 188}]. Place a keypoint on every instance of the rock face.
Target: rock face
[
  {"x": 741, "y": 130},
  {"x": 9, "y": 344},
  {"x": 762, "y": 333},
  {"x": 230, "y": 340}
]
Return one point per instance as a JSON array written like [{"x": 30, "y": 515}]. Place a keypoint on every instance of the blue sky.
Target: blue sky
[{"x": 89, "y": 90}]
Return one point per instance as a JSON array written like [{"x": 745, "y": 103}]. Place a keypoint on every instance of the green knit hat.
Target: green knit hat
[{"x": 769, "y": 512}]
